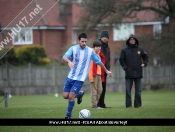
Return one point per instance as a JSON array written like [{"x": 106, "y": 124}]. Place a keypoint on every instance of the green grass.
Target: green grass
[{"x": 155, "y": 104}]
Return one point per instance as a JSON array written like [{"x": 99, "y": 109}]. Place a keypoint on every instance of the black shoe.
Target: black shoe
[
  {"x": 107, "y": 107},
  {"x": 79, "y": 100},
  {"x": 104, "y": 107},
  {"x": 67, "y": 117}
]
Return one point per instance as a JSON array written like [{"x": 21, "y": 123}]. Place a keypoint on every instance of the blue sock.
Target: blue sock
[
  {"x": 78, "y": 95},
  {"x": 70, "y": 108}
]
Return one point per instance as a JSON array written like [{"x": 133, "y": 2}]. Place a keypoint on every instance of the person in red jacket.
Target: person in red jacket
[{"x": 96, "y": 75}]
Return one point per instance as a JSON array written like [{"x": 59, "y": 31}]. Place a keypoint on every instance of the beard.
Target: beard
[{"x": 82, "y": 46}]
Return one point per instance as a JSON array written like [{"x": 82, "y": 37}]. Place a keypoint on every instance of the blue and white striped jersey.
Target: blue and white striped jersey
[{"x": 81, "y": 59}]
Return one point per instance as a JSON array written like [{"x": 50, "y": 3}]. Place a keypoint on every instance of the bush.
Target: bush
[
  {"x": 8, "y": 55},
  {"x": 34, "y": 54}
]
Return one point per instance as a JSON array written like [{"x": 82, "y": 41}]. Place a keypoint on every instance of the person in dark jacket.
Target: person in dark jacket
[
  {"x": 104, "y": 37},
  {"x": 132, "y": 59}
]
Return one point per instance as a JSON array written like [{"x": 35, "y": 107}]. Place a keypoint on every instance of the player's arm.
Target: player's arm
[
  {"x": 66, "y": 57},
  {"x": 104, "y": 68},
  {"x": 70, "y": 64}
]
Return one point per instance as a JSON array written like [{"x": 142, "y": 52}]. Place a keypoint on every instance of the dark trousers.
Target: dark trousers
[
  {"x": 138, "y": 90},
  {"x": 101, "y": 101}
]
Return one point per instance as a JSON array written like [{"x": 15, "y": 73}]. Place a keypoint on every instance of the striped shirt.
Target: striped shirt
[{"x": 81, "y": 59}]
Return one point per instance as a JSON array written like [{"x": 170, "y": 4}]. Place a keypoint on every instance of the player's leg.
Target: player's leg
[
  {"x": 71, "y": 103},
  {"x": 66, "y": 88},
  {"x": 66, "y": 95},
  {"x": 74, "y": 92},
  {"x": 79, "y": 99},
  {"x": 76, "y": 88}
]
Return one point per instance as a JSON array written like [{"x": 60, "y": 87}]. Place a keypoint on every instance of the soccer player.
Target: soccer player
[{"x": 78, "y": 58}]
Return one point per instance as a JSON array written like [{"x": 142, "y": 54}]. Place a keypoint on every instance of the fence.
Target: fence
[{"x": 32, "y": 79}]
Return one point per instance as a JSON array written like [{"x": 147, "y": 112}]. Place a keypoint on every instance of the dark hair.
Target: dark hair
[
  {"x": 82, "y": 35},
  {"x": 97, "y": 43}
]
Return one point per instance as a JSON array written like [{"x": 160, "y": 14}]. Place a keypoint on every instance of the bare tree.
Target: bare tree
[
  {"x": 115, "y": 11},
  {"x": 112, "y": 11}
]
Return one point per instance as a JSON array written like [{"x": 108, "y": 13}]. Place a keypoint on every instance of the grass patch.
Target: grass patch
[{"x": 155, "y": 104}]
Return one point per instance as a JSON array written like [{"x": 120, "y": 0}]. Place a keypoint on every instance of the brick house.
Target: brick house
[
  {"x": 47, "y": 31},
  {"x": 145, "y": 22},
  {"x": 59, "y": 26}
]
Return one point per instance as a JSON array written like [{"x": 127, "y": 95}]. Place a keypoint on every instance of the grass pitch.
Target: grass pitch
[{"x": 155, "y": 104}]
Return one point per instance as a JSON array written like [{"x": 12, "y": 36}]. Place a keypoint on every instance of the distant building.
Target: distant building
[{"x": 60, "y": 26}]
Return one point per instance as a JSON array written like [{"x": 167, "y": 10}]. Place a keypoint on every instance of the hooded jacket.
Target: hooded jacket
[{"x": 131, "y": 58}]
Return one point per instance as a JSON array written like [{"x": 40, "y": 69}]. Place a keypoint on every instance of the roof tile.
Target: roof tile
[{"x": 11, "y": 9}]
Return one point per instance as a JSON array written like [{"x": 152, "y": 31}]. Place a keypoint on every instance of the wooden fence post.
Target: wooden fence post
[{"x": 29, "y": 74}]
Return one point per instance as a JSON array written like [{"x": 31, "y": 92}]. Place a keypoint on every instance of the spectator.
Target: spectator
[
  {"x": 132, "y": 59},
  {"x": 104, "y": 37},
  {"x": 96, "y": 75}
]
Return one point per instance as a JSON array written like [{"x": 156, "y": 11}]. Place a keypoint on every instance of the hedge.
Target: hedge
[{"x": 34, "y": 54}]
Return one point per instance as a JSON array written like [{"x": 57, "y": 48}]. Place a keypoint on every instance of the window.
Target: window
[
  {"x": 157, "y": 29},
  {"x": 122, "y": 31},
  {"x": 25, "y": 36},
  {"x": 74, "y": 37}
]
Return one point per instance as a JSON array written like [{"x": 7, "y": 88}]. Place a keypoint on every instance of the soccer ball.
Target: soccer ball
[{"x": 84, "y": 114}]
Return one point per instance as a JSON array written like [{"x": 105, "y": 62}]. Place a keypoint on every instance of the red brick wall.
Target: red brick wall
[
  {"x": 148, "y": 29},
  {"x": 66, "y": 16},
  {"x": 36, "y": 37},
  {"x": 51, "y": 40}
]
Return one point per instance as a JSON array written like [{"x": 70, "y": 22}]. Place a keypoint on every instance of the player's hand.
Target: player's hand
[
  {"x": 109, "y": 73},
  {"x": 71, "y": 65},
  {"x": 142, "y": 65}
]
